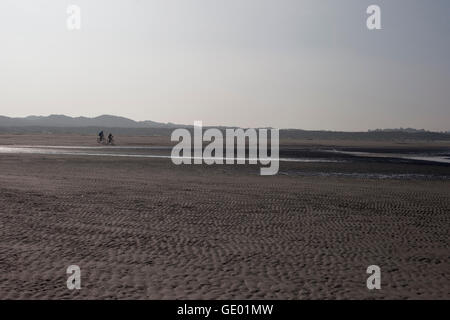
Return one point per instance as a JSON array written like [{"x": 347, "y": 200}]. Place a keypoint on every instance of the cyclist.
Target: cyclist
[{"x": 110, "y": 138}]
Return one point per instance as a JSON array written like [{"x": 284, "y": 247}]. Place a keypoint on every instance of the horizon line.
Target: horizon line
[{"x": 224, "y": 125}]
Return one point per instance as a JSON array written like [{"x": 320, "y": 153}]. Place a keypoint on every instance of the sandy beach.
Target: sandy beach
[{"x": 147, "y": 229}]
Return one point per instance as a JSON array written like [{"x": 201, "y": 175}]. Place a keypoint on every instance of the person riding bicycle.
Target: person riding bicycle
[
  {"x": 110, "y": 138},
  {"x": 101, "y": 135}
]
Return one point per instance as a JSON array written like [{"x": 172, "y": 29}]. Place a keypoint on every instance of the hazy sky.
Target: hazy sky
[{"x": 309, "y": 64}]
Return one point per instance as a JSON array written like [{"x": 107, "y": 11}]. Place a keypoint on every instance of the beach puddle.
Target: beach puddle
[{"x": 417, "y": 157}]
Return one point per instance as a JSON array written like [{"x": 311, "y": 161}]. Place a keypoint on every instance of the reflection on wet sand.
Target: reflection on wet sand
[{"x": 139, "y": 152}]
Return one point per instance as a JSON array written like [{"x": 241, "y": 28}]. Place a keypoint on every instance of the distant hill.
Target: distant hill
[
  {"x": 80, "y": 122},
  {"x": 61, "y": 124}
]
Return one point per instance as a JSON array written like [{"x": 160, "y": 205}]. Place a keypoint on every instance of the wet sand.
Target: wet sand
[{"x": 147, "y": 229}]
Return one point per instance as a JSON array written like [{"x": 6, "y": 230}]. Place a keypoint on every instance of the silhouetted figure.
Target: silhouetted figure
[
  {"x": 110, "y": 138},
  {"x": 101, "y": 136}
]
